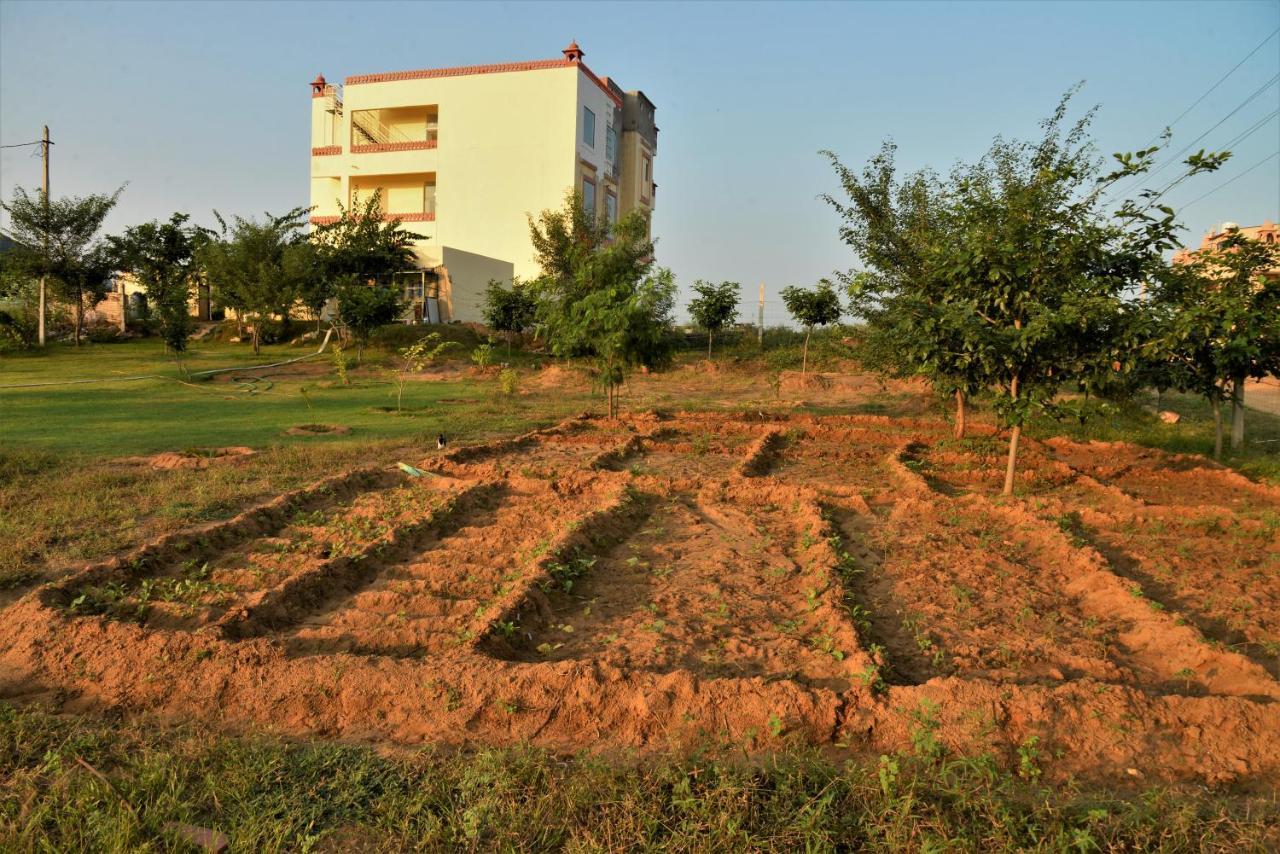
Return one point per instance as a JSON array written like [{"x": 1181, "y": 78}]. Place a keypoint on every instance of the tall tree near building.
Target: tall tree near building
[
  {"x": 58, "y": 239},
  {"x": 162, "y": 256},
  {"x": 715, "y": 307},
  {"x": 819, "y": 306},
  {"x": 599, "y": 294},
  {"x": 260, "y": 269},
  {"x": 1217, "y": 324},
  {"x": 360, "y": 244}
]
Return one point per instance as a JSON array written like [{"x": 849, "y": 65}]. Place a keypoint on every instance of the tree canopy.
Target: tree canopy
[
  {"x": 715, "y": 307},
  {"x": 817, "y": 306},
  {"x": 1017, "y": 278},
  {"x": 162, "y": 256},
  {"x": 599, "y": 294},
  {"x": 260, "y": 268},
  {"x": 1215, "y": 322},
  {"x": 58, "y": 239}
]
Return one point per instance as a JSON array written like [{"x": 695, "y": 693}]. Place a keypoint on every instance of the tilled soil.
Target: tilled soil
[{"x": 849, "y": 581}]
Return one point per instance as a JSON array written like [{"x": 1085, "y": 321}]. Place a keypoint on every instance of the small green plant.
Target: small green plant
[
  {"x": 340, "y": 364},
  {"x": 509, "y": 382},
  {"x": 775, "y": 725},
  {"x": 482, "y": 355},
  {"x": 924, "y": 732},
  {"x": 1028, "y": 758},
  {"x": 414, "y": 359}
]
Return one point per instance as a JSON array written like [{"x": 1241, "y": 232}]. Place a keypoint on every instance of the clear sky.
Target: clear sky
[{"x": 206, "y": 105}]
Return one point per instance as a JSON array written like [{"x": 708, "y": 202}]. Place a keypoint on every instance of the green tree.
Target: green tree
[
  {"x": 162, "y": 256},
  {"x": 599, "y": 294},
  {"x": 1041, "y": 267},
  {"x": 715, "y": 307},
  {"x": 260, "y": 268},
  {"x": 364, "y": 306},
  {"x": 1216, "y": 322},
  {"x": 360, "y": 245},
  {"x": 819, "y": 306},
  {"x": 510, "y": 310},
  {"x": 899, "y": 230},
  {"x": 57, "y": 239}
]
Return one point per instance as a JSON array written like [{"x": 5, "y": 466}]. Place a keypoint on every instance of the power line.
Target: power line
[
  {"x": 1251, "y": 131},
  {"x": 1271, "y": 156},
  {"x": 1264, "y": 87},
  {"x": 1221, "y": 80},
  {"x": 24, "y": 144}
]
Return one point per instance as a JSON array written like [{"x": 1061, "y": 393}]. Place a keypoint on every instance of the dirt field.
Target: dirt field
[{"x": 855, "y": 582}]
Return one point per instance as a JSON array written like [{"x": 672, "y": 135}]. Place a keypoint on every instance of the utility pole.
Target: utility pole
[
  {"x": 760, "y": 332},
  {"x": 44, "y": 150}
]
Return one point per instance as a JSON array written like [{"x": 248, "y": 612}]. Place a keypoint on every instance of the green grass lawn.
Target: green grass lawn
[{"x": 117, "y": 417}]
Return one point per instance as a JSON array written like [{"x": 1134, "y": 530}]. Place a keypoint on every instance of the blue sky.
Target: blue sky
[{"x": 205, "y": 105}]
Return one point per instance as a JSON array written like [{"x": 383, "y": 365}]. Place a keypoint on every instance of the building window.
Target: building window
[
  {"x": 610, "y": 207},
  {"x": 645, "y": 177},
  {"x": 588, "y": 127},
  {"x": 429, "y": 198},
  {"x": 611, "y": 145},
  {"x": 589, "y": 196}
]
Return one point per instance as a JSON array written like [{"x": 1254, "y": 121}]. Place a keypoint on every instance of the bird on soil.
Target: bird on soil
[{"x": 440, "y": 442}]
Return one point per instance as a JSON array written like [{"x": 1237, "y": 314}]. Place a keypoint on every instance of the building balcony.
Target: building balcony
[{"x": 326, "y": 150}]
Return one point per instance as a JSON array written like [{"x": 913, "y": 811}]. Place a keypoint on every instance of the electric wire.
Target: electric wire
[{"x": 1271, "y": 156}]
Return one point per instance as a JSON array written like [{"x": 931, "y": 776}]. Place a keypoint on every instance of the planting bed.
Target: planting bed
[{"x": 849, "y": 581}]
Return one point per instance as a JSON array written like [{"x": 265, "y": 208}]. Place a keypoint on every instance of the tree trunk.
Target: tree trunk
[
  {"x": 1217, "y": 427},
  {"x": 1237, "y": 414},
  {"x": 257, "y": 324},
  {"x": 960, "y": 413},
  {"x": 709, "y": 334},
  {"x": 79, "y": 316},
  {"x": 804, "y": 362},
  {"x": 1012, "y": 466}
]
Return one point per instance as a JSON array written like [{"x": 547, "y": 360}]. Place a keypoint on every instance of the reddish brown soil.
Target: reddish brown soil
[
  {"x": 662, "y": 581},
  {"x": 200, "y": 458}
]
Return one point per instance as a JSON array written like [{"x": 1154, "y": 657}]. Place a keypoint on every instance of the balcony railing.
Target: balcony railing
[{"x": 413, "y": 216}]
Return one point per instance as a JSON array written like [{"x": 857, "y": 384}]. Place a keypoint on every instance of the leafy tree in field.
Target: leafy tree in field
[
  {"x": 817, "y": 307},
  {"x": 510, "y": 310},
  {"x": 714, "y": 307},
  {"x": 58, "y": 239},
  {"x": 364, "y": 306},
  {"x": 899, "y": 230},
  {"x": 598, "y": 294},
  {"x": 260, "y": 268},
  {"x": 163, "y": 257},
  {"x": 1040, "y": 269},
  {"x": 1216, "y": 324}
]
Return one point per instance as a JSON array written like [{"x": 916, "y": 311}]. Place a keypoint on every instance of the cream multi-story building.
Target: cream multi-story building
[{"x": 464, "y": 155}]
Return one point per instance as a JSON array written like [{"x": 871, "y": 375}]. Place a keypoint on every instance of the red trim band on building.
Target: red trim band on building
[
  {"x": 463, "y": 70},
  {"x": 325, "y": 150},
  {"x": 375, "y": 147},
  {"x": 403, "y": 217}
]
